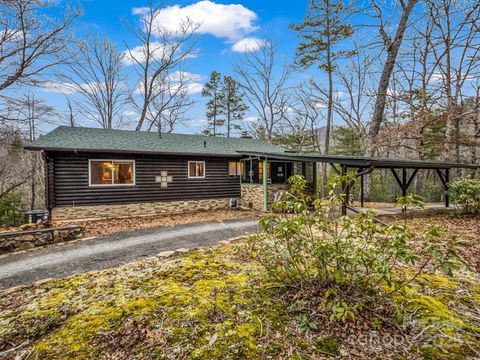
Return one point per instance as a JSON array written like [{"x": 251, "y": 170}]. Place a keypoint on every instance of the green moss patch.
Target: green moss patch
[
  {"x": 215, "y": 304},
  {"x": 447, "y": 313}
]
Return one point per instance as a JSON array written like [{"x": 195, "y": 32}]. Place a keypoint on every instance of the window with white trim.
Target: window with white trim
[
  {"x": 196, "y": 169},
  {"x": 111, "y": 172}
]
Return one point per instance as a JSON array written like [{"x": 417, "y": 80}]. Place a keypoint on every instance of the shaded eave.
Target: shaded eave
[
  {"x": 359, "y": 162},
  {"x": 127, "y": 152}
]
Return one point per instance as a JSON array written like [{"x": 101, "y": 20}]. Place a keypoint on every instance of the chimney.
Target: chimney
[{"x": 204, "y": 144}]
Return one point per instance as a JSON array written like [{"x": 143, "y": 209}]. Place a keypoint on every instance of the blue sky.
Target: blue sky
[{"x": 224, "y": 34}]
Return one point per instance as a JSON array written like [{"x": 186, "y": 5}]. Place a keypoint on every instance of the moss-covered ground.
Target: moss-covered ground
[{"x": 217, "y": 304}]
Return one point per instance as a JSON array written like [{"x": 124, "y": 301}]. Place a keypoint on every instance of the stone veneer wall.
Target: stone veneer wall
[
  {"x": 298, "y": 170},
  {"x": 252, "y": 194},
  {"x": 137, "y": 209},
  {"x": 22, "y": 240}
]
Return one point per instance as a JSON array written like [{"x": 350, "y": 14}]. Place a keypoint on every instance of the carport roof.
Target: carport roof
[{"x": 358, "y": 161}]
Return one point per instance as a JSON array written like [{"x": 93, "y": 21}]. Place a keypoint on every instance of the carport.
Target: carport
[{"x": 363, "y": 166}]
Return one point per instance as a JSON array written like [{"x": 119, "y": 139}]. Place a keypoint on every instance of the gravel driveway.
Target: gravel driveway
[{"x": 109, "y": 251}]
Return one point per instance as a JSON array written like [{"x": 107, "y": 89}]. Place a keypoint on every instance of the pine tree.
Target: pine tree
[
  {"x": 213, "y": 90},
  {"x": 232, "y": 104},
  {"x": 323, "y": 28}
]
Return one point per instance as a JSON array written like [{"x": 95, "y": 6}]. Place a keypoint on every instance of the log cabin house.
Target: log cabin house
[{"x": 98, "y": 173}]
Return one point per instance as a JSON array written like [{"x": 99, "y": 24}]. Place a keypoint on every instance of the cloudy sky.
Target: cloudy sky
[{"x": 227, "y": 30}]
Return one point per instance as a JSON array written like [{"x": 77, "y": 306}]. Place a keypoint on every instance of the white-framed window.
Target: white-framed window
[
  {"x": 235, "y": 168},
  {"x": 103, "y": 172},
  {"x": 196, "y": 169}
]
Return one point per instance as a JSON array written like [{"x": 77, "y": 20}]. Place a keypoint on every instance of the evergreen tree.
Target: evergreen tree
[
  {"x": 321, "y": 31},
  {"x": 324, "y": 27},
  {"x": 346, "y": 141},
  {"x": 233, "y": 106},
  {"x": 213, "y": 91}
]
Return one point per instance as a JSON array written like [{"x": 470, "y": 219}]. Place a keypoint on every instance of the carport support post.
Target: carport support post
[
  {"x": 447, "y": 179},
  {"x": 362, "y": 191},
  {"x": 265, "y": 185},
  {"x": 345, "y": 190},
  {"x": 404, "y": 182}
]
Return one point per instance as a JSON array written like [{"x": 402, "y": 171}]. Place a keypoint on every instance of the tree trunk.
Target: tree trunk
[
  {"x": 327, "y": 131},
  {"x": 392, "y": 52},
  {"x": 142, "y": 118},
  {"x": 228, "y": 120}
]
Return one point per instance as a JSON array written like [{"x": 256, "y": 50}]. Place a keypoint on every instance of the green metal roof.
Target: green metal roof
[{"x": 65, "y": 138}]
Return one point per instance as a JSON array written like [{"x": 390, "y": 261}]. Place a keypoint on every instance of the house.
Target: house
[{"x": 99, "y": 173}]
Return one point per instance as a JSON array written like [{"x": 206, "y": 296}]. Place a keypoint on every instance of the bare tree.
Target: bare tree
[
  {"x": 160, "y": 51},
  {"x": 392, "y": 47},
  {"x": 457, "y": 52},
  {"x": 28, "y": 111},
  {"x": 96, "y": 80},
  {"x": 71, "y": 116},
  {"x": 265, "y": 87},
  {"x": 303, "y": 123},
  {"x": 31, "y": 42},
  {"x": 355, "y": 90},
  {"x": 171, "y": 102}
]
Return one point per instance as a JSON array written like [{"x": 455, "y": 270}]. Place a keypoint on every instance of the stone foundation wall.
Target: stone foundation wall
[
  {"x": 252, "y": 194},
  {"x": 22, "y": 240},
  {"x": 137, "y": 209},
  {"x": 298, "y": 170}
]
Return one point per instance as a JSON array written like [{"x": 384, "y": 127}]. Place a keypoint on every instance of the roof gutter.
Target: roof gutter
[{"x": 110, "y": 151}]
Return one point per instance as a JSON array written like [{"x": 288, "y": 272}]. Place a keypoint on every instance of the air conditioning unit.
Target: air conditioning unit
[{"x": 233, "y": 203}]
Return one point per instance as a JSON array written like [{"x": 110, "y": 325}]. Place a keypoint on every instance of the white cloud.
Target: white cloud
[
  {"x": 196, "y": 123},
  {"x": 190, "y": 83},
  {"x": 58, "y": 87},
  {"x": 232, "y": 21},
  {"x": 158, "y": 52},
  {"x": 70, "y": 88},
  {"x": 437, "y": 77},
  {"x": 340, "y": 94},
  {"x": 250, "y": 118},
  {"x": 194, "y": 88},
  {"x": 185, "y": 76},
  {"x": 248, "y": 44},
  {"x": 130, "y": 113},
  {"x": 320, "y": 105},
  {"x": 138, "y": 53}
]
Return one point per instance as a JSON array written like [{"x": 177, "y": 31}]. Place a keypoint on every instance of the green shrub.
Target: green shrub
[
  {"x": 11, "y": 209},
  {"x": 307, "y": 242},
  {"x": 465, "y": 193}
]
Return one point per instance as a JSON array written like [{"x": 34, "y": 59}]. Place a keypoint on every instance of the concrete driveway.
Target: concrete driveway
[{"x": 109, "y": 251}]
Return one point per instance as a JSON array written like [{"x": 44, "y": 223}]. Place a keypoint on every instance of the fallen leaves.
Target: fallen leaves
[
  {"x": 111, "y": 226},
  {"x": 466, "y": 227}
]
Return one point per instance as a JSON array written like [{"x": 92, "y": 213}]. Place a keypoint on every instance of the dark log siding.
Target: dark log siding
[
  {"x": 70, "y": 180},
  {"x": 49, "y": 184}
]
